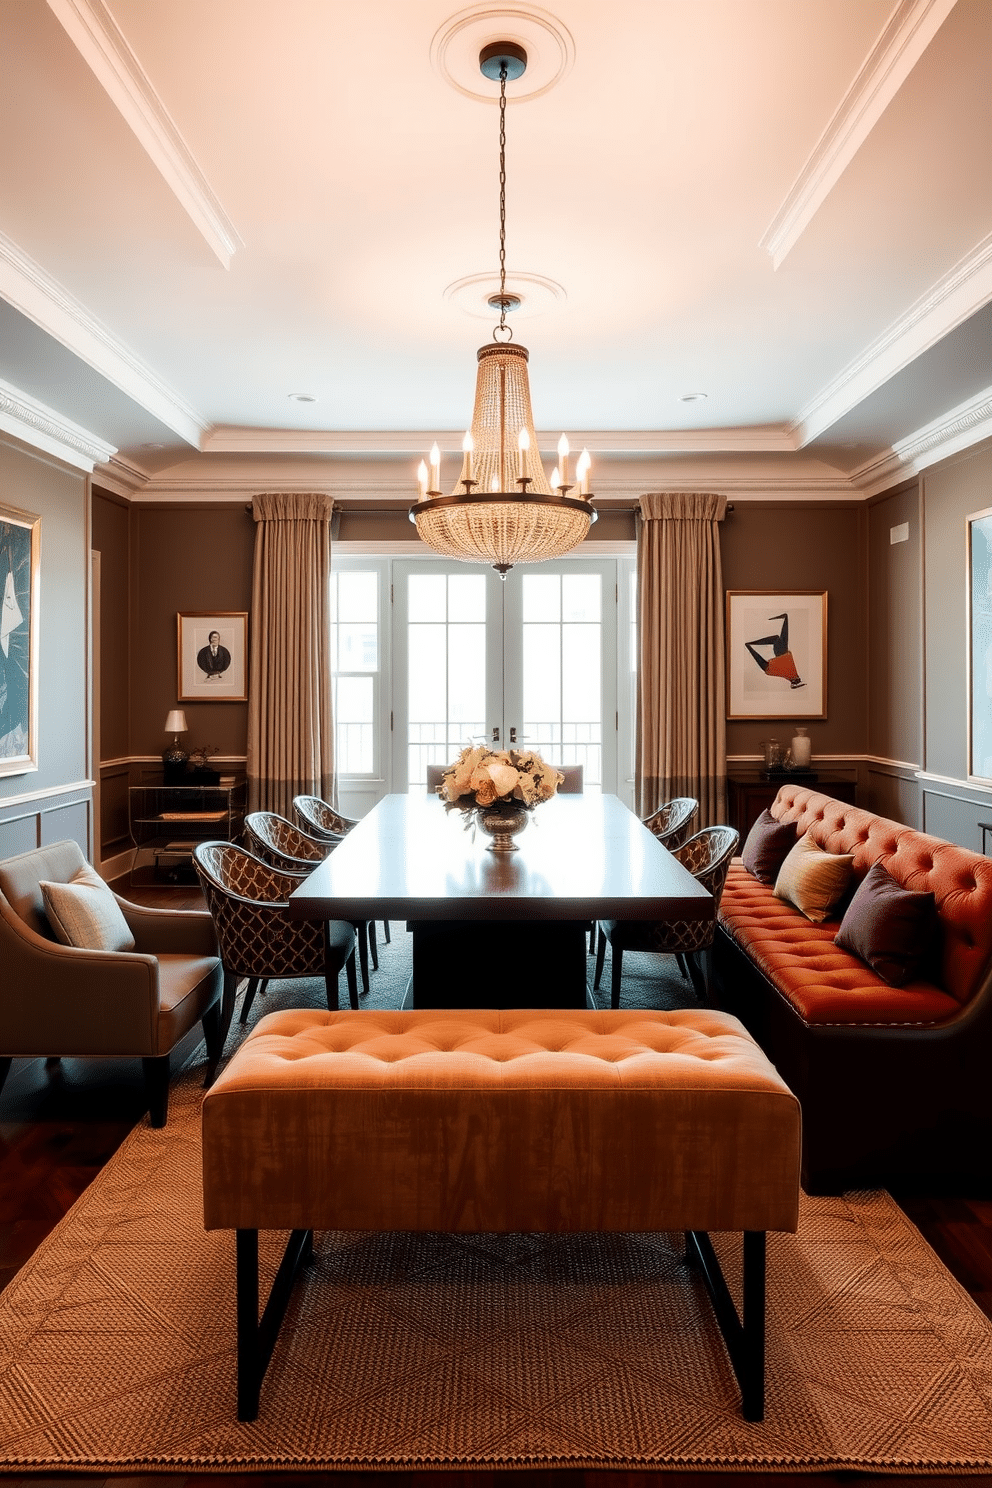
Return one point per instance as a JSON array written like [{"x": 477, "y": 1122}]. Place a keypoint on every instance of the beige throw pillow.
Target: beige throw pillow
[
  {"x": 813, "y": 880},
  {"x": 84, "y": 913}
]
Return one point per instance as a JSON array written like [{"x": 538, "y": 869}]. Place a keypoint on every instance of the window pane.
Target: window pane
[
  {"x": 358, "y": 596},
  {"x": 428, "y": 673},
  {"x": 542, "y": 597},
  {"x": 466, "y": 673},
  {"x": 580, "y": 693},
  {"x": 426, "y": 597},
  {"x": 354, "y": 719},
  {"x": 467, "y": 597},
  {"x": 581, "y": 597},
  {"x": 358, "y": 648}
]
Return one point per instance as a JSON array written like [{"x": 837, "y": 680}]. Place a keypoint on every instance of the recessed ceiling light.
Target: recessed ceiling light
[
  {"x": 153, "y": 446},
  {"x": 693, "y": 397},
  {"x": 303, "y": 397}
]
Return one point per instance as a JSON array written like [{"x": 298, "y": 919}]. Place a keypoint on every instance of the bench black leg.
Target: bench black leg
[
  {"x": 256, "y": 1338},
  {"x": 744, "y": 1336},
  {"x": 156, "y": 1070}
]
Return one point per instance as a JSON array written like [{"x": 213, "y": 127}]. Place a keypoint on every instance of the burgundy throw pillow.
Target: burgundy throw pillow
[
  {"x": 767, "y": 847},
  {"x": 891, "y": 928}
]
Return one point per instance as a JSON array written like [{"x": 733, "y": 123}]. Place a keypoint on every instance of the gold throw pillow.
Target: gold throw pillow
[{"x": 813, "y": 880}]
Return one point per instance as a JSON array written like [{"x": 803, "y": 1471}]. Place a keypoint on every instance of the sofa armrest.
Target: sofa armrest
[{"x": 189, "y": 931}]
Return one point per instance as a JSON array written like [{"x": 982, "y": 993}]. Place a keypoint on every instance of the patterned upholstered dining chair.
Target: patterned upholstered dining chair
[
  {"x": 672, "y": 822},
  {"x": 707, "y": 857},
  {"x": 316, "y": 817},
  {"x": 247, "y": 900},
  {"x": 289, "y": 848},
  {"x": 319, "y": 818}
]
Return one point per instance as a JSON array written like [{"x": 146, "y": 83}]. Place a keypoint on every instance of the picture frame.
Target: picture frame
[
  {"x": 212, "y": 673},
  {"x": 20, "y": 580},
  {"x": 776, "y": 656},
  {"x": 979, "y": 644}
]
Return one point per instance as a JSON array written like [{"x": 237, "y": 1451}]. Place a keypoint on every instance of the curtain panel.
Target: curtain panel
[
  {"x": 290, "y": 732},
  {"x": 681, "y": 706}
]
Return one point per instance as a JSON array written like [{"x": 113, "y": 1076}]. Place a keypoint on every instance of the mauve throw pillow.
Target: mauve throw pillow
[
  {"x": 891, "y": 928},
  {"x": 767, "y": 846}
]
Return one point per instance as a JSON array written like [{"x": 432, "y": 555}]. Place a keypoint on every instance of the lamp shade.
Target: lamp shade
[{"x": 176, "y": 723}]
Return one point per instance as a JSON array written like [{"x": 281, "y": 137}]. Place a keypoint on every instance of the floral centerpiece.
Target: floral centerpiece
[{"x": 501, "y": 786}]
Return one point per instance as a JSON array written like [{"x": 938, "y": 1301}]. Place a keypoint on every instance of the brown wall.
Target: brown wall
[
  {"x": 184, "y": 558},
  {"x": 785, "y": 546}
]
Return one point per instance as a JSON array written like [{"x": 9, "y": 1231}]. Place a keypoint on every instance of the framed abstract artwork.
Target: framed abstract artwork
[
  {"x": 979, "y": 587},
  {"x": 20, "y": 561},
  {"x": 213, "y": 656},
  {"x": 776, "y": 654}
]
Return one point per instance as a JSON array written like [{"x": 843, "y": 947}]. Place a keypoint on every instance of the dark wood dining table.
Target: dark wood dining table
[{"x": 500, "y": 930}]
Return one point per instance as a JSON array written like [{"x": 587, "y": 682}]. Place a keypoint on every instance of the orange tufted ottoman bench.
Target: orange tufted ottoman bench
[{"x": 508, "y": 1121}]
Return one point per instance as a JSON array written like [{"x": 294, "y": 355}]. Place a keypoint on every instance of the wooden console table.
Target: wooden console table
[{"x": 747, "y": 799}]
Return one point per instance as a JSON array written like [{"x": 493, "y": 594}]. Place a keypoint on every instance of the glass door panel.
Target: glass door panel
[{"x": 447, "y": 639}]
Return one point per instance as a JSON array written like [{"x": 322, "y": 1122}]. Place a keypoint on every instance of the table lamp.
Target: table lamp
[{"x": 174, "y": 756}]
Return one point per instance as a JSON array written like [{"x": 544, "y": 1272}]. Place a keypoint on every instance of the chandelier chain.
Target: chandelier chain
[{"x": 502, "y": 195}]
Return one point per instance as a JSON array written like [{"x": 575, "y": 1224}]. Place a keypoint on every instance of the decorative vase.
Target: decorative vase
[
  {"x": 502, "y": 821},
  {"x": 801, "y": 748}
]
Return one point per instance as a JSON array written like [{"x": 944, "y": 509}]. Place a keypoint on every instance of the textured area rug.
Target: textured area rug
[{"x": 402, "y": 1351}]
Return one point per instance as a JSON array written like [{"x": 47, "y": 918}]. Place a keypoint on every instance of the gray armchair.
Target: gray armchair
[{"x": 63, "y": 1001}]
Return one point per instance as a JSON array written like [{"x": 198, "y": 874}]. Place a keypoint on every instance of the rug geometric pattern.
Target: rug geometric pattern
[{"x": 401, "y": 1350}]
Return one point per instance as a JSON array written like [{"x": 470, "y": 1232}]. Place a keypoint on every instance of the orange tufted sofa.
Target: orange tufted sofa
[
  {"x": 892, "y": 1080},
  {"x": 522, "y": 1120}
]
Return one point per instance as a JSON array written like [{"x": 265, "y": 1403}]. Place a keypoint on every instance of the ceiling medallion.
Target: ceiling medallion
[
  {"x": 503, "y": 509},
  {"x": 548, "y": 46},
  {"x": 535, "y": 293}
]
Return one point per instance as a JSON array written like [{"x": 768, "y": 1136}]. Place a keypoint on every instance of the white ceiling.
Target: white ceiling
[{"x": 211, "y": 205}]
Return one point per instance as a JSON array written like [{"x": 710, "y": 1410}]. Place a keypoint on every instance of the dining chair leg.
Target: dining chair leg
[
  {"x": 228, "y": 996},
  {"x": 251, "y": 992},
  {"x": 600, "y": 956},
  {"x": 373, "y": 946},
  {"x": 385, "y": 930},
  {"x": 592, "y": 937},
  {"x": 352, "y": 976},
  {"x": 362, "y": 930},
  {"x": 615, "y": 976},
  {"x": 683, "y": 966}
]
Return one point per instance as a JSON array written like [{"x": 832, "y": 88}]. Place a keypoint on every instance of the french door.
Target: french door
[{"x": 529, "y": 661}]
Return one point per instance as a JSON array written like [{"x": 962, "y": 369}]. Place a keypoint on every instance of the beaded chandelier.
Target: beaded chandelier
[{"x": 503, "y": 510}]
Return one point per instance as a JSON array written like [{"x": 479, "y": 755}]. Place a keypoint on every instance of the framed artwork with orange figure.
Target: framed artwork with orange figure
[{"x": 776, "y": 654}]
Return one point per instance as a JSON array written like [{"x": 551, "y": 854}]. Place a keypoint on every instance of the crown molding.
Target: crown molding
[
  {"x": 40, "y": 426},
  {"x": 26, "y": 285},
  {"x": 104, "y": 48},
  {"x": 121, "y": 477},
  {"x": 968, "y": 424},
  {"x": 907, "y": 34},
  {"x": 228, "y": 439},
  {"x": 947, "y": 304}
]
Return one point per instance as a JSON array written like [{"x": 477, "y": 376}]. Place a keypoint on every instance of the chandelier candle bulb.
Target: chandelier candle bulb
[
  {"x": 422, "y": 480},
  {"x": 468, "y": 472},
  {"x": 523, "y": 443},
  {"x": 563, "y": 460},
  {"x": 435, "y": 467},
  {"x": 555, "y": 479},
  {"x": 582, "y": 471}
]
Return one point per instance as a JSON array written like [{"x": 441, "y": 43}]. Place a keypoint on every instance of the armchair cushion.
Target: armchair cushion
[{"x": 84, "y": 912}]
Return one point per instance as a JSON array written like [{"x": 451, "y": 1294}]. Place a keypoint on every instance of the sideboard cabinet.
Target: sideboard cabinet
[{"x": 747, "y": 799}]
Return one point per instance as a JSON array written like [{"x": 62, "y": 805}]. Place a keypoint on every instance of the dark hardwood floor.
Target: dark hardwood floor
[{"x": 61, "y": 1122}]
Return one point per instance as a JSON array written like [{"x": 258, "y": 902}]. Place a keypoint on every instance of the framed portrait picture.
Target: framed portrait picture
[
  {"x": 213, "y": 657},
  {"x": 20, "y": 567},
  {"x": 776, "y": 654},
  {"x": 979, "y": 587}
]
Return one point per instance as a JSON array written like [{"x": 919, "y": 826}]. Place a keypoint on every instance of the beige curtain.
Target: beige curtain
[
  {"x": 290, "y": 742},
  {"x": 681, "y": 709}
]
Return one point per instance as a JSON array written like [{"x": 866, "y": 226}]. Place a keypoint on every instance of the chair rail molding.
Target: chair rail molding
[{"x": 47, "y": 793}]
